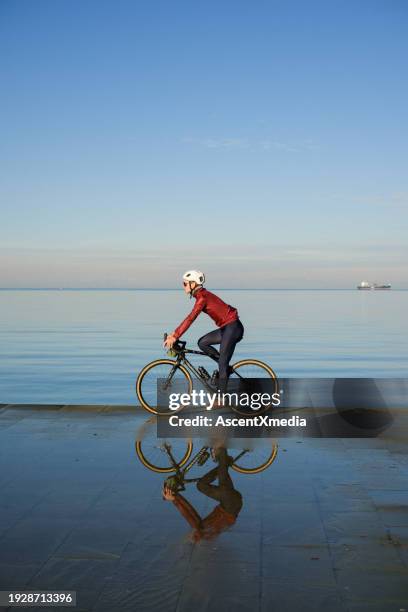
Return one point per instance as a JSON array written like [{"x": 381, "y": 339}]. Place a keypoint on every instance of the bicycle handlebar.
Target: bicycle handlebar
[{"x": 179, "y": 344}]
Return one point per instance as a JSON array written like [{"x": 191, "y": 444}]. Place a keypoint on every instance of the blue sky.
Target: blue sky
[{"x": 265, "y": 143}]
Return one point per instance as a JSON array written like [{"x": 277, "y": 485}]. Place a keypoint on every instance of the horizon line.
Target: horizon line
[{"x": 178, "y": 289}]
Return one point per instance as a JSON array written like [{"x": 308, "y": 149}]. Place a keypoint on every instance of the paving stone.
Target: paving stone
[
  {"x": 342, "y": 525},
  {"x": 215, "y": 602},
  {"x": 97, "y": 539},
  {"x": 295, "y": 523},
  {"x": 237, "y": 580},
  {"x": 288, "y": 597},
  {"x": 288, "y": 563},
  {"x": 15, "y": 576},
  {"x": 72, "y": 574},
  {"x": 141, "y": 596},
  {"x": 373, "y": 587},
  {"x": 393, "y": 515},
  {"x": 366, "y": 556},
  {"x": 33, "y": 540}
]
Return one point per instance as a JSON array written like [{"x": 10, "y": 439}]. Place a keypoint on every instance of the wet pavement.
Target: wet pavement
[{"x": 325, "y": 527}]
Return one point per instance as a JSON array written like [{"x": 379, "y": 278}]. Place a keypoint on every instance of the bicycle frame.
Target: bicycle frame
[
  {"x": 178, "y": 480},
  {"x": 182, "y": 359}
]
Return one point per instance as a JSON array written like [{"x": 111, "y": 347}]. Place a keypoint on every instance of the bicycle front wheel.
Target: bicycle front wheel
[
  {"x": 173, "y": 376},
  {"x": 248, "y": 369},
  {"x": 256, "y": 460},
  {"x": 153, "y": 454}
]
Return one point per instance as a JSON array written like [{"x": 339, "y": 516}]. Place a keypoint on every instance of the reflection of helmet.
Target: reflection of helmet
[{"x": 194, "y": 276}]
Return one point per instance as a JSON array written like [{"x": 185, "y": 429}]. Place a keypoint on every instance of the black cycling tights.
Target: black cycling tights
[
  {"x": 230, "y": 499},
  {"x": 227, "y": 337}
]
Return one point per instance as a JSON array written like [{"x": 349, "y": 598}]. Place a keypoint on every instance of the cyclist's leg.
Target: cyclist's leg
[
  {"x": 231, "y": 335},
  {"x": 204, "y": 485},
  {"x": 224, "y": 479},
  {"x": 205, "y": 344},
  {"x": 221, "y": 472},
  {"x": 230, "y": 499}
]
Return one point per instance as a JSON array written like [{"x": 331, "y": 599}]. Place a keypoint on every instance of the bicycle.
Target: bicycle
[
  {"x": 248, "y": 461},
  {"x": 179, "y": 371}
]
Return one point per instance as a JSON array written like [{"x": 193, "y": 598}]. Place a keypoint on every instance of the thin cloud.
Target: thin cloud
[
  {"x": 213, "y": 143},
  {"x": 253, "y": 145}
]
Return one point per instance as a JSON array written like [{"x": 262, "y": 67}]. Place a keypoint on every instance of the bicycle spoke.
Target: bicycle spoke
[
  {"x": 256, "y": 459},
  {"x": 164, "y": 458},
  {"x": 163, "y": 375}
]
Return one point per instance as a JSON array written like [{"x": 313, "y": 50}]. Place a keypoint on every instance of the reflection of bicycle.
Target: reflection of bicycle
[
  {"x": 164, "y": 458},
  {"x": 177, "y": 373}
]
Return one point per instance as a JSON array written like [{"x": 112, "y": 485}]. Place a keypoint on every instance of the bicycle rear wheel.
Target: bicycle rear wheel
[
  {"x": 248, "y": 369},
  {"x": 175, "y": 377},
  {"x": 256, "y": 460}
]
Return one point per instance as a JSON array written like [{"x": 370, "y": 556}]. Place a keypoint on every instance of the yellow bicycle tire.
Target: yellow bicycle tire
[
  {"x": 260, "y": 468},
  {"x": 265, "y": 367},
  {"x": 156, "y": 468},
  {"x": 149, "y": 367}
]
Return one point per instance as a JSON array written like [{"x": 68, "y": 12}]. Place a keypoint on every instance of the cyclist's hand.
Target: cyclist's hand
[
  {"x": 168, "y": 494},
  {"x": 169, "y": 341}
]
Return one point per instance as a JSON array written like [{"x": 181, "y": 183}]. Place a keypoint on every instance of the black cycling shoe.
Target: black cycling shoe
[
  {"x": 215, "y": 377},
  {"x": 214, "y": 456}
]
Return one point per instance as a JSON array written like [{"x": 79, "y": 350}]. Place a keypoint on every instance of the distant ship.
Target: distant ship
[{"x": 366, "y": 285}]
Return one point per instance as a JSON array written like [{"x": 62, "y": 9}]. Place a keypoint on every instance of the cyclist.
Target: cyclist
[
  {"x": 230, "y": 329},
  {"x": 230, "y": 500}
]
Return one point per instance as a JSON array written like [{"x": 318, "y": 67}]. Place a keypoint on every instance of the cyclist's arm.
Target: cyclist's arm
[
  {"x": 183, "y": 327},
  {"x": 187, "y": 510}
]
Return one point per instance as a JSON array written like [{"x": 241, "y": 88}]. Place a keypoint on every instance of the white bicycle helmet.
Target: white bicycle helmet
[{"x": 194, "y": 276}]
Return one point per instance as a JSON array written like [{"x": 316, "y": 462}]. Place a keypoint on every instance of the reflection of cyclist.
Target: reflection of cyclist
[
  {"x": 225, "y": 514},
  {"x": 230, "y": 329}
]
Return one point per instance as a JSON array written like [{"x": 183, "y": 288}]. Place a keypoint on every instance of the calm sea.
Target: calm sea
[{"x": 87, "y": 346}]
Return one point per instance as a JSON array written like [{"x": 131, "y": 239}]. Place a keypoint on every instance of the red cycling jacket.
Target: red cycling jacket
[
  {"x": 212, "y": 305},
  {"x": 204, "y": 529}
]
